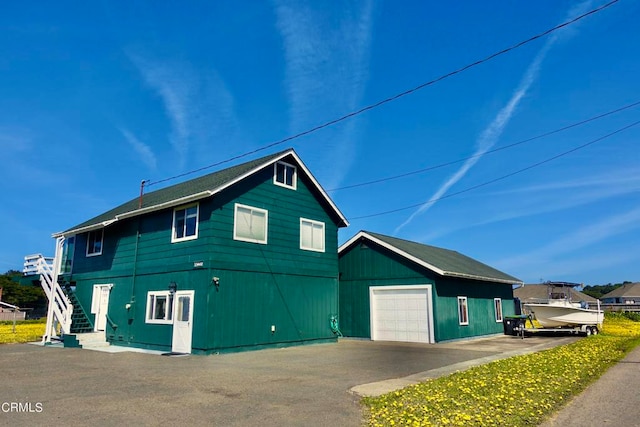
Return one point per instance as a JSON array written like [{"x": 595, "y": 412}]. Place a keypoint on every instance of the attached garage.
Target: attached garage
[
  {"x": 398, "y": 290},
  {"x": 401, "y": 313}
]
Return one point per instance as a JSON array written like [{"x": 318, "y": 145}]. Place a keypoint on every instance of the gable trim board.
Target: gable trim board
[{"x": 262, "y": 163}]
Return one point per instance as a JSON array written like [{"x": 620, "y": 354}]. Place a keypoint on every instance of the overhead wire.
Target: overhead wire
[
  {"x": 503, "y": 177},
  {"x": 389, "y": 99},
  {"x": 500, "y": 148}
]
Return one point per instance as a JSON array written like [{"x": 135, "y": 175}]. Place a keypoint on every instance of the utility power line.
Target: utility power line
[
  {"x": 503, "y": 177},
  {"x": 504, "y": 147},
  {"x": 391, "y": 98}
]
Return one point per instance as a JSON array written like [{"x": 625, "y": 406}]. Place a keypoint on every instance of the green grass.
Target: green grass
[{"x": 519, "y": 391}]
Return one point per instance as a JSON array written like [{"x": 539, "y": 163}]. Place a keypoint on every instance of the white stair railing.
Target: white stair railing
[{"x": 60, "y": 308}]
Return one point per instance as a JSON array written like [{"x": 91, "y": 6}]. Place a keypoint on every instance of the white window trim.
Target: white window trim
[
  {"x": 466, "y": 309},
  {"x": 235, "y": 223},
  {"x": 89, "y": 254},
  {"x": 282, "y": 184},
  {"x": 497, "y": 302},
  {"x": 175, "y": 239},
  {"x": 150, "y": 308},
  {"x": 324, "y": 237}
]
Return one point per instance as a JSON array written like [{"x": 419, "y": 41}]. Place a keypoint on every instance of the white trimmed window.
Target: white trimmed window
[
  {"x": 497, "y": 304},
  {"x": 94, "y": 242},
  {"x": 463, "y": 311},
  {"x": 285, "y": 175},
  {"x": 159, "y": 307},
  {"x": 311, "y": 235},
  {"x": 250, "y": 224},
  {"x": 185, "y": 223}
]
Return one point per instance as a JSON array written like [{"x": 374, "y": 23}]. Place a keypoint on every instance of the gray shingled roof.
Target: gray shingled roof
[
  {"x": 195, "y": 188},
  {"x": 442, "y": 261},
  {"x": 540, "y": 291},
  {"x": 626, "y": 290}
]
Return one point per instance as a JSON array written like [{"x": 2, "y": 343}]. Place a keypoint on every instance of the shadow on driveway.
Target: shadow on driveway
[{"x": 305, "y": 385}]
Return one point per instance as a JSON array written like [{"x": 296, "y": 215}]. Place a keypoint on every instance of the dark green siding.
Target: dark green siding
[
  {"x": 260, "y": 285},
  {"x": 369, "y": 265}
]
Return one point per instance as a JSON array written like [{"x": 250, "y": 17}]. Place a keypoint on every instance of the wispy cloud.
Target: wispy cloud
[
  {"x": 174, "y": 84},
  {"x": 578, "y": 239},
  {"x": 492, "y": 133},
  {"x": 542, "y": 198},
  {"x": 144, "y": 151},
  {"x": 198, "y": 104},
  {"x": 326, "y": 71}
]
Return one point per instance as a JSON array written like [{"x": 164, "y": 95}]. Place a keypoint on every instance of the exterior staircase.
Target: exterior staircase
[
  {"x": 80, "y": 322},
  {"x": 66, "y": 319}
]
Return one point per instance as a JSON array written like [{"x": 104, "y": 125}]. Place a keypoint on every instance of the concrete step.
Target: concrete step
[{"x": 92, "y": 339}]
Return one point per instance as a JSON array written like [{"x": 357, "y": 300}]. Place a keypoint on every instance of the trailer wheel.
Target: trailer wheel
[
  {"x": 594, "y": 330},
  {"x": 588, "y": 331}
]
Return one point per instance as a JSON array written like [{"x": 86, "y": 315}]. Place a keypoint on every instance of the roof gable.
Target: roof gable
[
  {"x": 444, "y": 262},
  {"x": 626, "y": 290},
  {"x": 199, "y": 188}
]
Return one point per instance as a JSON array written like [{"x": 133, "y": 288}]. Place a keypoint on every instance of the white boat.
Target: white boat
[{"x": 559, "y": 311}]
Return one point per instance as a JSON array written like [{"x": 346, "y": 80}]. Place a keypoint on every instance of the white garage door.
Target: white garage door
[{"x": 401, "y": 313}]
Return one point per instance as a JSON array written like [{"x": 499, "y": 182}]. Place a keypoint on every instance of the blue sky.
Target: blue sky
[{"x": 97, "y": 96}]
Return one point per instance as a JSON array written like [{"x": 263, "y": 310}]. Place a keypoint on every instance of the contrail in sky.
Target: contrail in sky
[{"x": 492, "y": 133}]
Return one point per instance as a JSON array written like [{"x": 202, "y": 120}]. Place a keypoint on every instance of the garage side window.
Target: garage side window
[
  {"x": 159, "y": 307},
  {"x": 497, "y": 303},
  {"x": 463, "y": 311}
]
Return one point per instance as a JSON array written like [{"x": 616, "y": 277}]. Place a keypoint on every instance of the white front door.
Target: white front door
[
  {"x": 100, "y": 305},
  {"x": 182, "y": 321}
]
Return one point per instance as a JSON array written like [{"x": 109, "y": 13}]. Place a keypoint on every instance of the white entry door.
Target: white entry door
[
  {"x": 182, "y": 321},
  {"x": 100, "y": 306},
  {"x": 401, "y": 313}
]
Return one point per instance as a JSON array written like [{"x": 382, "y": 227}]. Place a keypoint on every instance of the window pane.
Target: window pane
[
  {"x": 160, "y": 308},
  {"x": 280, "y": 170},
  {"x": 305, "y": 234},
  {"x": 318, "y": 236},
  {"x": 192, "y": 219},
  {"x": 184, "y": 304},
  {"x": 258, "y": 225},
  {"x": 243, "y": 222},
  {"x": 179, "y": 223}
]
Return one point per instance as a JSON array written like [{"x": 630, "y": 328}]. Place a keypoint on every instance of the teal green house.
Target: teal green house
[
  {"x": 397, "y": 290},
  {"x": 242, "y": 258}
]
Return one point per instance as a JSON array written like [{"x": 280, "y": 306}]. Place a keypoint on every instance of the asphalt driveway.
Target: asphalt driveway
[{"x": 306, "y": 385}]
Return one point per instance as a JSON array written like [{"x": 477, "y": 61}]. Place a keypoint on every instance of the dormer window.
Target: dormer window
[{"x": 285, "y": 175}]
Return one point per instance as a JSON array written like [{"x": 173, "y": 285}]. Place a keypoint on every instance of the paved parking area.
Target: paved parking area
[{"x": 306, "y": 385}]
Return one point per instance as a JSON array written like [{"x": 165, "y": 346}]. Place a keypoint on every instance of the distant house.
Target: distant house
[
  {"x": 242, "y": 258},
  {"x": 398, "y": 290},
  {"x": 535, "y": 292},
  {"x": 629, "y": 293}
]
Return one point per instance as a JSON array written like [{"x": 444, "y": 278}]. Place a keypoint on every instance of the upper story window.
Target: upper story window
[
  {"x": 285, "y": 175},
  {"x": 185, "y": 223},
  {"x": 94, "y": 242},
  {"x": 463, "y": 311},
  {"x": 311, "y": 235},
  {"x": 497, "y": 303},
  {"x": 250, "y": 224}
]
